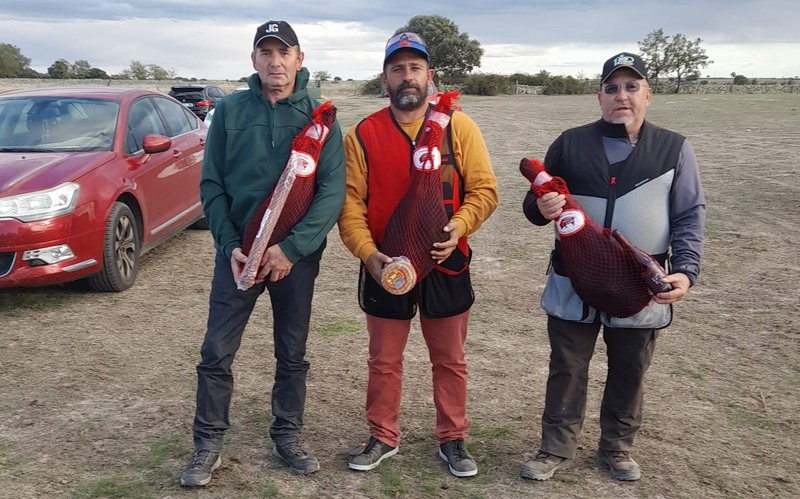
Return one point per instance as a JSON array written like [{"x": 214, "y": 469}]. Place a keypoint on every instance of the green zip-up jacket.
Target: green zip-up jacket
[{"x": 246, "y": 151}]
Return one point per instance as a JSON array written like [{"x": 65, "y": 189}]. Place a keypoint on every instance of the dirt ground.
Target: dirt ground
[{"x": 97, "y": 394}]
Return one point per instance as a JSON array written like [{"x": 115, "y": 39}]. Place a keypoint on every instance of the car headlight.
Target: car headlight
[{"x": 41, "y": 205}]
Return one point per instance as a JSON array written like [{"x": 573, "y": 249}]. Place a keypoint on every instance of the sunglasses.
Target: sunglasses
[
  {"x": 413, "y": 37},
  {"x": 613, "y": 88}
]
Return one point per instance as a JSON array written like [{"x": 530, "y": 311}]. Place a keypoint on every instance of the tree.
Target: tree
[
  {"x": 740, "y": 80},
  {"x": 452, "y": 53},
  {"x": 687, "y": 57},
  {"x": 136, "y": 71},
  {"x": 97, "y": 74},
  {"x": 679, "y": 56},
  {"x": 12, "y": 63},
  {"x": 654, "y": 50},
  {"x": 80, "y": 69},
  {"x": 59, "y": 70},
  {"x": 156, "y": 72},
  {"x": 322, "y": 75}
]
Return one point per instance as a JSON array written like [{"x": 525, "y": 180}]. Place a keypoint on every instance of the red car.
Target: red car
[{"x": 91, "y": 178}]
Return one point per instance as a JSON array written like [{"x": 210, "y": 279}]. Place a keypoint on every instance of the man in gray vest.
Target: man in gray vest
[{"x": 630, "y": 175}]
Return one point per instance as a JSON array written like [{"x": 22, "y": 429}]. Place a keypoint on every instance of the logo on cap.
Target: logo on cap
[{"x": 624, "y": 60}]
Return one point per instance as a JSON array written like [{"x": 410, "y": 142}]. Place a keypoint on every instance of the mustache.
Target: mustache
[{"x": 406, "y": 85}]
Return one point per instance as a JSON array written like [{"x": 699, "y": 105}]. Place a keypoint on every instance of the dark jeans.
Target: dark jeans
[
  {"x": 572, "y": 345},
  {"x": 229, "y": 311}
]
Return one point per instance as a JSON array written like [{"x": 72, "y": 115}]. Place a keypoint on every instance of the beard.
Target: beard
[{"x": 406, "y": 101}]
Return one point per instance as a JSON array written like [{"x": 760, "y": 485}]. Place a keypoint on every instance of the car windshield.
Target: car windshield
[{"x": 31, "y": 124}]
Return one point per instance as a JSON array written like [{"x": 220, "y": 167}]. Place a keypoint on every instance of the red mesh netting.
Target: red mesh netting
[
  {"x": 275, "y": 217},
  {"x": 419, "y": 218},
  {"x": 606, "y": 271}
]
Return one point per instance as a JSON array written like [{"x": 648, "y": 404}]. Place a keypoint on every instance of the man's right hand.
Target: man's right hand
[
  {"x": 375, "y": 264},
  {"x": 237, "y": 263},
  {"x": 551, "y": 205}
]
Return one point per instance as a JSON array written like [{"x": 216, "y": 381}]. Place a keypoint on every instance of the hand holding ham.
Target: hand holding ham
[
  {"x": 441, "y": 251},
  {"x": 680, "y": 286},
  {"x": 275, "y": 264},
  {"x": 551, "y": 205}
]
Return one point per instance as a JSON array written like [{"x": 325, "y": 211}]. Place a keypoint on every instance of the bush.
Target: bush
[
  {"x": 372, "y": 87},
  {"x": 740, "y": 80},
  {"x": 486, "y": 84}
]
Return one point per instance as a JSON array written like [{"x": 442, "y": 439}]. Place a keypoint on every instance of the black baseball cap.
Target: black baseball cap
[
  {"x": 624, "y": 60},
  {"x": 276, "y": 29}
]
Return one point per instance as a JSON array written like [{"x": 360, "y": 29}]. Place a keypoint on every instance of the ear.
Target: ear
[
  {"x": 300, "y": 56},
  {"x": 253, "y": 58}
]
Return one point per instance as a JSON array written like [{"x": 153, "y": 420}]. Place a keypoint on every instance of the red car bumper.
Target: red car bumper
[{"x": 18, "y": 237}]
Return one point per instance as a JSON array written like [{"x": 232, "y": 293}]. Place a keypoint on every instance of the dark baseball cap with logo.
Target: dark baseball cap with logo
[
  {"x": 624, "y": 60},
  {"x": 276, "y": 29}
]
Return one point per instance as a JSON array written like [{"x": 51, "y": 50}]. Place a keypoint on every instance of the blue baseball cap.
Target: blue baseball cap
[{"x": 406, "y": 40}]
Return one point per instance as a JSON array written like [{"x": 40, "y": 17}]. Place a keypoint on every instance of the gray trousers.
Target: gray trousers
[
  {"x": 572, "y": 345},
  {"x": 229, "y": 311}
]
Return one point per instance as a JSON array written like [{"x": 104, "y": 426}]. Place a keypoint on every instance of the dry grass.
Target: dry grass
[{"x": 98, "y": 389}]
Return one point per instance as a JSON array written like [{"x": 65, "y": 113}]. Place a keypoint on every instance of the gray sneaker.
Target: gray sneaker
[
  {"x": 368, "y": 454},
  {"x": 296, "y": 455},
  {"x": 198, "y": 471},
  {"x": 544, "y": 465},
  {"x": 621, "y": 464},
  {"x": 458, "y": 458}
]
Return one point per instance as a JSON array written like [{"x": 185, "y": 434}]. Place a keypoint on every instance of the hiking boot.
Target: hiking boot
[
  {"x": 621, "y": 464},
  {"x": 458, "y": 458},
  {"x": 296, "y": 455},
  {"x": 544, "y": 465},
  {"x": 369, "y": 454},
  {"x": 198, "y": 471}
]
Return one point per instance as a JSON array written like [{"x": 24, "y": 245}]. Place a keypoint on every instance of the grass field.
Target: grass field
[{"x": 97, "y": 393}]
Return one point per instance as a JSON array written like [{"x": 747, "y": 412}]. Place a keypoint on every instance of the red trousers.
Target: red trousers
[{"x": 445, "y": 339}]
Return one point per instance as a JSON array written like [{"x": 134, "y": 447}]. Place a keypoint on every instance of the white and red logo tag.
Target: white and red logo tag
[
  {"x": 304, "y": 165},
  {"x": 427, "y": 161},
  {"x": 570, "y": 222}
]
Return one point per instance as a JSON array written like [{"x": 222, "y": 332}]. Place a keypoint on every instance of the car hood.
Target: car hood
[{"x": 32, "y": 171}]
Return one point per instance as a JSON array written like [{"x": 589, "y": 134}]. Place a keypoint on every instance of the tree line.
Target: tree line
[
  {"x": 453, "y": 54},
  {"x": 13, "y": 64}
]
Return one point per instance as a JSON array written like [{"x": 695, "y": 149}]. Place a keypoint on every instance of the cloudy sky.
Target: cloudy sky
[{"x": 213, "y": 39}]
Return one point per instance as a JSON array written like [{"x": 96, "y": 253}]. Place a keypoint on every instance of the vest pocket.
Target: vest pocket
[
  {"x": 374, "y": 300},
  {"x": 447, "y": 290}
]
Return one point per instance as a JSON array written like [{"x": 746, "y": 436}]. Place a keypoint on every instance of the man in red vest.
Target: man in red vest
[{"x": 378, "y": 153}]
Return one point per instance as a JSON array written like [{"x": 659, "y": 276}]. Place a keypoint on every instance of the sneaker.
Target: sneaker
[
  {"x": 296, "y": 455},
  {"x": 368, "y": 455},
  {"x": 458, "y": 458},
  {"x": 198, "y": 471},
  {"x": 544, "y": 465},
  {"x": 621, "y": 464}
]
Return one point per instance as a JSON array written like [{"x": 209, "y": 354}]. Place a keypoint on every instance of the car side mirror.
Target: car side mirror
[{"x": 154, "y": 143}]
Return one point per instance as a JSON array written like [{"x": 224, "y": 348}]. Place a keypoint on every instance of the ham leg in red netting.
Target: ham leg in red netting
[
  {"x": 284, "y": 208},
  {"x": 419, "y": 218},
  {"x": 606, "y": 271}
]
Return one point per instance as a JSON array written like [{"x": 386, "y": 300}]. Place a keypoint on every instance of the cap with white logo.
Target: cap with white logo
[{"x": 276, "y": 29}]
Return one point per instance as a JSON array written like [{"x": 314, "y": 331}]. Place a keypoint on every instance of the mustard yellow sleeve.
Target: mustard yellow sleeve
[
  {"x": 353, "y": 228},
  {"x": 480, "y": 183}
]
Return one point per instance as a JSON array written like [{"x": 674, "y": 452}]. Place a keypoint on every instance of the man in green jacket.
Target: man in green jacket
[{"x": 246, "y": 151}]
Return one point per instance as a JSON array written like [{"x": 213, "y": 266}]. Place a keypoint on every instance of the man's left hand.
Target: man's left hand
[
  {"x": 680, "y": 286},
  {"x": 443, "y": 250},
  {"x": 275, "y": 264}
]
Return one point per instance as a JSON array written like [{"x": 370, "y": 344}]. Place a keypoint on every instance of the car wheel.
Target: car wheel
[
  {"x": 121, "y": 248},
  {"x": 200, "y": 224}
]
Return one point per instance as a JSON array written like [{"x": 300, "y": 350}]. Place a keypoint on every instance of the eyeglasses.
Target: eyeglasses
[
  {"x": 413, "y": 37},
  {"x": 613, "y": 88}
]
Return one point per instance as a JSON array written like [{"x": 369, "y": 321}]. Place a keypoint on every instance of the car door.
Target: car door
[
  {"x": 158, "y": 183},
  {"x": 188, "y": 146}
]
